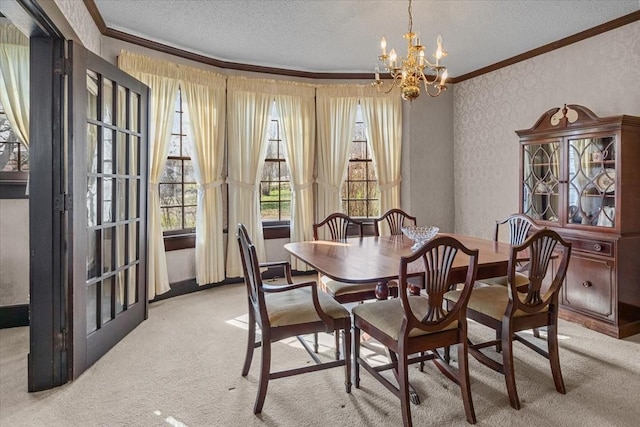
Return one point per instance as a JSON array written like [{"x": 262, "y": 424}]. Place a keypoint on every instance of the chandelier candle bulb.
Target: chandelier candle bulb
[
  {"x": 377, "y": 71},
  {"x": 383, "y": 46},
  {"x": 444, "y": 77}
]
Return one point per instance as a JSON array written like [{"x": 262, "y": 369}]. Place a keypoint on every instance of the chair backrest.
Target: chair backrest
[
  {"x": 339, "y": 227},
  {"x": 251, "y": 269},
  {"x": 437, "y": 259},
  {"x": 396, "y": 219},
  {"x": 540, "y": 248},
  {"x": 519, "y": 226}
]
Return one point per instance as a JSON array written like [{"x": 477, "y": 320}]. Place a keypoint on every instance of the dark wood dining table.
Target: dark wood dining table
[{"x": 377, "y": 258}]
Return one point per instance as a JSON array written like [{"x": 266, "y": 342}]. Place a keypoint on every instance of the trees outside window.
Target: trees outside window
[
  {"x": 360, "y": 192},
  {"x": 14, "y": 156},
  {"x": 275, "y": 185},
  {"x": 178, "y": 189}
]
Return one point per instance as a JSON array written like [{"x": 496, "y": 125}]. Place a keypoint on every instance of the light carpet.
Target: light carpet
[{"x": 182, "y": 367}]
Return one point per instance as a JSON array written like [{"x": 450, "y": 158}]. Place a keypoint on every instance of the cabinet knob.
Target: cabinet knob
[
  {"x": 597, "y": 247},
  {"x": 587, "y": 284}
]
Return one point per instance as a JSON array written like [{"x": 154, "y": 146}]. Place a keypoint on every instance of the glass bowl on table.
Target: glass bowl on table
[{"x": 420, "y": 234}]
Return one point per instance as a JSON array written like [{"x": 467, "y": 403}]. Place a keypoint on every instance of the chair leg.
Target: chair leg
[
  {"x": 463, "y": 378},
  {"x": 447, "y": 354},
  {"x": 507, "y": 363},
  {"x": 251, "y": 344},
  {"x": 403, "y": 386},
  {"x": 315, "y": 342},
  {"x": 536, "y": 332},
  {"x": 337, "y": 335},
  {"x": 346, "y": 340},
  {"x": 499, "y": 339},
  {"x": 265, "y": 367},
  {"x": 356, "y": 356},
  {"x": 554, "y": 357}
]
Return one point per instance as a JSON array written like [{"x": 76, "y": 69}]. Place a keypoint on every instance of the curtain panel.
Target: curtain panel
[
  {"x": 382, "y": 116},
  {"x": 248, "y": 107},
  {"x": 14, "y": 80},
  {"x": 297, "y": 110},
  {"x": 163, "y": 80},
  {"x": 336, "y": 120},
  {"x": 205, "y": 96}
]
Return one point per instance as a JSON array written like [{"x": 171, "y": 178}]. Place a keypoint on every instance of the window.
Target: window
[
  {"x": 360, "y": 192},
  {"x": 275, "y": 187},
  {"x": 178, "y": 190},
  {"x": 14, "y": 156}
]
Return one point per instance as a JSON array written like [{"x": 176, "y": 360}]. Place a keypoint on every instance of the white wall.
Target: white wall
[
  {"x": 14, "y": 251},
  {"x": 427, "y": 160},
  {"x": 602, "y": 73}
]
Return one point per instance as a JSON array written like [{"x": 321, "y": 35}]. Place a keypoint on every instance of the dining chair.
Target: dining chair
[
  {"x": 395, "y": 220},
  {"x": 337, "y": 227},
  {"x": 512, "y": 309},
  {"x": 519, "y": 226},
  {"x": 283, "y": 311},
  {"x": 413, "y": 327}
]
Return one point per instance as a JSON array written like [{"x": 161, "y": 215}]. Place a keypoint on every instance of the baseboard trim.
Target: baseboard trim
[
  {"x": 189, "y": 286},
  {"x": 12, "y": 316}
]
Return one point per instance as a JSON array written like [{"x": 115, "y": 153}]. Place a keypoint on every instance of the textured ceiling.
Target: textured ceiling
[{"x": 344, "y": 36}]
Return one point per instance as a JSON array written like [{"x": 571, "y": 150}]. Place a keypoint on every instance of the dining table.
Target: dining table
[{"x": 377, "y": 259}]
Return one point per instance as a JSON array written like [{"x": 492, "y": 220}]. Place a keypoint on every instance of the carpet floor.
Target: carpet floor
[{"x": 182, "y": 367}]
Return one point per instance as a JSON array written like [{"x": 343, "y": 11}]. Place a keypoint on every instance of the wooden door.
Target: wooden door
[{"x": 108, "y": 176}]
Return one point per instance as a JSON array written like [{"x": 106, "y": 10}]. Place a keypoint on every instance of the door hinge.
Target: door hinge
[
  {"x": 60, "y": 340},
  {"x": 62, "y": 66},
  {"x": 63, "y": 202}
]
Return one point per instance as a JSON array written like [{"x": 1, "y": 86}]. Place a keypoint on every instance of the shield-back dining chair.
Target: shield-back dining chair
[
  {"x": 516, "y": 307},
  {"x": 413, "y": 327},
  {"x": 283, "y": 311}
]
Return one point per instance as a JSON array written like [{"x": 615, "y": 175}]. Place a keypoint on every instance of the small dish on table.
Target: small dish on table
[{"x": 420, "y": 234}]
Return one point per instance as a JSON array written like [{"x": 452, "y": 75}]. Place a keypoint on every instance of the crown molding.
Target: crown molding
[{"x": 140, "y": 41}]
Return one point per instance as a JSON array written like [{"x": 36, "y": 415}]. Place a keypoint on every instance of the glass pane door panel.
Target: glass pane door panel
[
  {"x": 592, "y": 181},
  {"x": 541, "y": 181}
]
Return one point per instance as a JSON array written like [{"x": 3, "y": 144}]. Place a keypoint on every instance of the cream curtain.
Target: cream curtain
[
  {"x": 296, "y": 108},
  {"x": 14, "y": 79},
  {"x": 336, "y": 121},
  {"x": 382, "y": 116},
  {"x": 248, "y": 106},
  {"x": 163, "y": 80},
  {"x": 204, "y": 93}
]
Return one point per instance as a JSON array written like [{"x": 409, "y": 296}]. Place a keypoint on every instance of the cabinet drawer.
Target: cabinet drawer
[
  {"x": 589, "y": 286},
  {"x": 600, "y": 247}
]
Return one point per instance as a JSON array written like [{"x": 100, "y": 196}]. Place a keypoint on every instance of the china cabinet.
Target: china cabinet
[{"x": 580, "y": 175}]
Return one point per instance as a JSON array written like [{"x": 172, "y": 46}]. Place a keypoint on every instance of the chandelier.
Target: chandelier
[{"x": 408, "y": 72}]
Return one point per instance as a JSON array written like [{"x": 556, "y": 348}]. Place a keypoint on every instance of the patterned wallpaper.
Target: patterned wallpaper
[{"x": 602, "y": 73}]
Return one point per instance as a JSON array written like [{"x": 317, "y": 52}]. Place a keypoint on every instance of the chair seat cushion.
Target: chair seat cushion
[
  {"x": 296, "y": 307},
  {"x": 521, "y": 279},
  {"x": 336, "y": 288},
  {"x": 489, "y": 300},
  {"x": 387, "y": 315}
]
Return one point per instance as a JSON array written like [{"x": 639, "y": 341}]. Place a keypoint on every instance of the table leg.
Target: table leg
[{"x": 382, "y": 290}]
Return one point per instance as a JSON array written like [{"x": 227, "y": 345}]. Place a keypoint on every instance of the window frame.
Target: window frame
[
  {"x": 280, "y": 161},
  {"x": 369, "y": 163},
  {"x": 177, "y": 238},
  {"x": 13, "y": 184}
]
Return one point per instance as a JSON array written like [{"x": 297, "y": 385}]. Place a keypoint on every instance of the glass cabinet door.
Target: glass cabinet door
[
  {"x": 592, "y": 181},
  {"x": 541, "y": 176}
]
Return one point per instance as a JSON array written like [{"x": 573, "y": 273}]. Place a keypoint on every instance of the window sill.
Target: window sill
[
  {"x": 188, "y": 240},
  {"x": 13, "y": 189}
]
